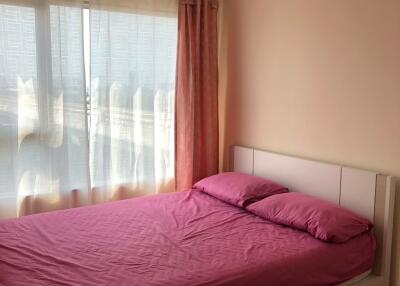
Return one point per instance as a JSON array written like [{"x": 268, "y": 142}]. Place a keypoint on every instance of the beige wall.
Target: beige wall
[{"x": 317, "y": 79}]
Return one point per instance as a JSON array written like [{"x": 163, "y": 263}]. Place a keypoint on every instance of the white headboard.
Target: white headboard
[{"x": 367, "y": 193}]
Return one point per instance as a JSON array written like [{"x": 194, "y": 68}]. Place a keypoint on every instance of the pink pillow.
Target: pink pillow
[
  {"x": 238, "y": 188},
  {"x": 324, "y": 220}
]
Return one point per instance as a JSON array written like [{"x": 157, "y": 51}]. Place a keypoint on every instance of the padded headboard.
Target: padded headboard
[{"x": 367, "y": 193}]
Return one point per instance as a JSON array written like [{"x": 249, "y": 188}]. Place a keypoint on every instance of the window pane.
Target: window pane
[
  {"x": 67, "y": 101},
  {"x": 43, "y": 136},
  {"x": 18, "y": 88},
  {"x": 133, "y": 60}
]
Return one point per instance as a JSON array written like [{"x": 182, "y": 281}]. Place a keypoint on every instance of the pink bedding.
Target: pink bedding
[{"x": 187, "y": 238}]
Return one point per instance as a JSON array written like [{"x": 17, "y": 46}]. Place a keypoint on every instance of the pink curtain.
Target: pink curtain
[{"x": 196, "y": 93}]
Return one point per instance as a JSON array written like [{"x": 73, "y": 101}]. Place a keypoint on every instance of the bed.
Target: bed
[
  {"x": 191, "y": 238},
  {"x": 367, "y": 193}
]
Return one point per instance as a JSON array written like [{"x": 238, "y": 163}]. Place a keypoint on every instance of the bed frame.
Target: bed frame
[{"x": 367, "y": 193}]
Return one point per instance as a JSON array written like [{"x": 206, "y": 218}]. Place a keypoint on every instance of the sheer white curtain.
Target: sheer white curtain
[
  {"x": 86, "y": 102},
  {"x": 43, "y": 144},
  {"x": 133, "y": 60}
]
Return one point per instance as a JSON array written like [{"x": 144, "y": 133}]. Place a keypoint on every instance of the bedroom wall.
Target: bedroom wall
[{"x": 317, "y": 79}]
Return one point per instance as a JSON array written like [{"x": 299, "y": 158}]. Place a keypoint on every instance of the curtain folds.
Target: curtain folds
[
  {"x": 87, "y": 91},
  {"x": 42, "y": 109},
  {"x": 196, "y": 138},
  {"x": 132, "y": 66}
]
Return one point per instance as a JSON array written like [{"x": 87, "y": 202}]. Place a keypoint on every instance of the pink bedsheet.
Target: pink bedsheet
[{"x": 187, "y": 238}]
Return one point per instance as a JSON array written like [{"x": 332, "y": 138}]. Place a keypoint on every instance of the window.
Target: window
[
  {"x": 86, "y": 99},
  {"x": 132, "y": 96}
]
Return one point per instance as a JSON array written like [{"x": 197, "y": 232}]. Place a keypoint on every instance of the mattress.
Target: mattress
[{"x": 187, "y": 238}]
